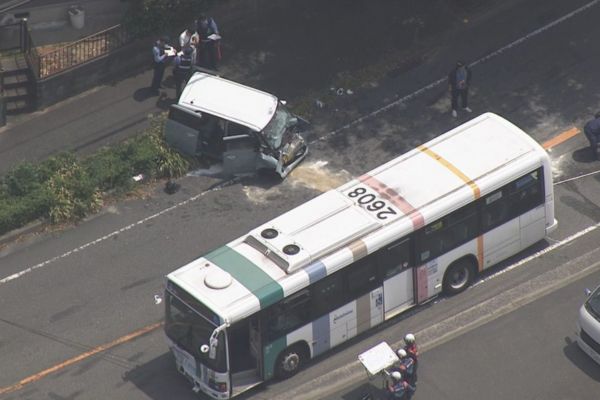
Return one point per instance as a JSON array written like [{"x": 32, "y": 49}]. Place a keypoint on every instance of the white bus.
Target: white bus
[{"x": 424, "y": 223}]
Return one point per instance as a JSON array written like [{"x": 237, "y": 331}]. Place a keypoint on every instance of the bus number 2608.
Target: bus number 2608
[{"x": 371, "y": 202}]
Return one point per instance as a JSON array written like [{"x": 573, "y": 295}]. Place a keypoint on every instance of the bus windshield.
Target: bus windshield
[{"x": 189, "y": 330}]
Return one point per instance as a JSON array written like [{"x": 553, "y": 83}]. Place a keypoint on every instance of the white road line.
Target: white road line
[
  {"x": 444, "y": 79},
  {"x": 332, "y": 133},
  {"x": 540, "y": 253},
  {"x": 108, "y": 236},
  {"x": 576, "y": 177}
]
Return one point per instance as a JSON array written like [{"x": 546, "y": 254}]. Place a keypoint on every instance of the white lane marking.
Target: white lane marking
[
  {"x": 576, "y": 177},
  {"x": 334, "y": 132},
  {"x": 540, "y": 253},
  {"x": 444, "y": 79},
  {"x": 108, "y": 236}
]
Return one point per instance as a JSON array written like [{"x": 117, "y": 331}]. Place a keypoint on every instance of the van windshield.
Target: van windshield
[{"x": 277, "y": 126}]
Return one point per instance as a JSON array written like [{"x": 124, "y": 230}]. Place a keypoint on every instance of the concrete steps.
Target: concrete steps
[{"x": 18, "y": 84}]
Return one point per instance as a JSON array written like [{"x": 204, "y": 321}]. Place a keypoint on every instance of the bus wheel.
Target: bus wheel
[
  {"x": 458, "y": 276},
  {"x": 289, "y": 362}
]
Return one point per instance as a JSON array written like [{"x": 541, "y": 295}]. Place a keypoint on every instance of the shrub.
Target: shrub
[
  {"x": 71, "y": 193},
  {"x": 16, "y": 212},
  {"x": 108, "y": 170},
  {"x": 147, "y": 17},
  {"x": 21, "y": 180},
  {"x": 62, "y": 188}
]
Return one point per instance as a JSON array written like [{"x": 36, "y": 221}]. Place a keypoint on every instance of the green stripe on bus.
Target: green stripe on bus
[
  {"x": 265, "y": 288},
  {"x": 270, "y": 354}
]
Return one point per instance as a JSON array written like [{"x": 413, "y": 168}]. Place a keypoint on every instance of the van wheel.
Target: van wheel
[
  {"x": 289, "y": 362},
  {"x": 458, "y": 276}
]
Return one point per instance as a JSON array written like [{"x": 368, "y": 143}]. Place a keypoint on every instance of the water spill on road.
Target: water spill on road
[{"x": 316, "y": 176}]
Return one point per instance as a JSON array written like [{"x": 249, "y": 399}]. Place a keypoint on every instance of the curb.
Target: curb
[{"x": 13, "y": 235}]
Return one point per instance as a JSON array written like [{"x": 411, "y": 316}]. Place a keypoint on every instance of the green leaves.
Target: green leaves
[
  {"x": 64, "y": 188},
  {"x": 152, "y": 17}
]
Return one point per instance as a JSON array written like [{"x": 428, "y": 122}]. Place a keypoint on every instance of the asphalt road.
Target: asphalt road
[
  {"x": 529, "y": 353},
  {"x": 78, "y": 319}
]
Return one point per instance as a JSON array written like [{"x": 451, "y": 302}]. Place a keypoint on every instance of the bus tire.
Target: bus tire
[
  {"x": 458, "y": 276},
  {"x": 290, "y": 361}
]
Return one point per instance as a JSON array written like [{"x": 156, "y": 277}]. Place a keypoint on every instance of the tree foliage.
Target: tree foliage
[{"x": 157, "y": 17}]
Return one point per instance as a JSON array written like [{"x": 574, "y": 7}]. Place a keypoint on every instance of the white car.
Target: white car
[
  {"x": 246, "y": 128},
  {"x": 588, "y": 325}
]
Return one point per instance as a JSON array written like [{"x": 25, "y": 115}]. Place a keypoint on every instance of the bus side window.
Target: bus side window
[
  {"x": 448, "y": 232},
  {"x": 362, "y": 277},
  {"x": 527, "y": 193},
  {"x": 288, "y": 314},
  {"x": 494, "y": 209},
  {"x": 327, "y": 294},
  {"x": 394, "y": 258}
]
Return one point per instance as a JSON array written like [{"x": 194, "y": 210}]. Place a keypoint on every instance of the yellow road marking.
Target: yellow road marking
[
  {"x": 80, "y": 357},
  {"x": 561, "y": 137}
]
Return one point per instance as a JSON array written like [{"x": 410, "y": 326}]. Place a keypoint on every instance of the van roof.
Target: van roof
[{"x": 228, "y": 100}]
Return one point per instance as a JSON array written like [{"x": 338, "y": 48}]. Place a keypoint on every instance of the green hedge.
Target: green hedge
[
  {"x": 64, "y": 188},
  {"x": 157, "y": 17}
]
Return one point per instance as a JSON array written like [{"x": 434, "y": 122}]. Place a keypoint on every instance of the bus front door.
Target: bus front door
[{"x": 243, "y": 355}]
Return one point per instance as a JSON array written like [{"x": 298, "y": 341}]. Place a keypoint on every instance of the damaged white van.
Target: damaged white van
[{"x": 247, "y": 129}]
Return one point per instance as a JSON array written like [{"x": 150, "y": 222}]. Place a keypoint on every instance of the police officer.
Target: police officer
[
  {"x": 182, "y": 68},
  {"x": 160, "y": 59},
  {"x": 592, "y": 133},
  {"x": 407, "y": 367},
  {"x": 400, "y": 388}
]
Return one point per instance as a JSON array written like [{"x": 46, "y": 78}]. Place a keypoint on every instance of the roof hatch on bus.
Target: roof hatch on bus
[{"x": 297, "y": 238}]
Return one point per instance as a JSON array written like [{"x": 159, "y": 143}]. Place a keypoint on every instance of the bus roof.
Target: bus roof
[
  {"x": 332, "y": 230},
  {"x": 228, "y": 100}
]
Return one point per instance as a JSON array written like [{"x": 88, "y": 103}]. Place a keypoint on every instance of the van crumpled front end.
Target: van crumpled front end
[{"x": 291, "y": 153}]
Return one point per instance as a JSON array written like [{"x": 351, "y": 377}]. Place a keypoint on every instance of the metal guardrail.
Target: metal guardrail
[{"x": 78, "y": 52}]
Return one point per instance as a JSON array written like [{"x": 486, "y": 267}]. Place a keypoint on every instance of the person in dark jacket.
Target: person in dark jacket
[
  {"x": 182, "y": 69},
  {"x": 160, "y": 59},
  {"x": 459, "y": 80},
  {"x": 209, "y": 43},
  {"x": 592, "y": 133}
]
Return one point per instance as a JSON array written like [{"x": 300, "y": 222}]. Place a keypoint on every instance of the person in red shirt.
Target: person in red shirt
[{"x": 410, "y": 346}]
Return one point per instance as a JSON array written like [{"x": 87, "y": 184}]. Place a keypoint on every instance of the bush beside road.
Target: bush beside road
[{"x": 65, "y": 188}]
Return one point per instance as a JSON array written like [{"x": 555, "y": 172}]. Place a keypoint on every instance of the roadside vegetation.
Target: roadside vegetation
[
  {"x": 65, "y": 188},
  {"x": 152, "y": 17}
]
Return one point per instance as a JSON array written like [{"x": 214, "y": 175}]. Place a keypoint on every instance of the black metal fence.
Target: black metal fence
[{"x": 84, "y": 50}]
